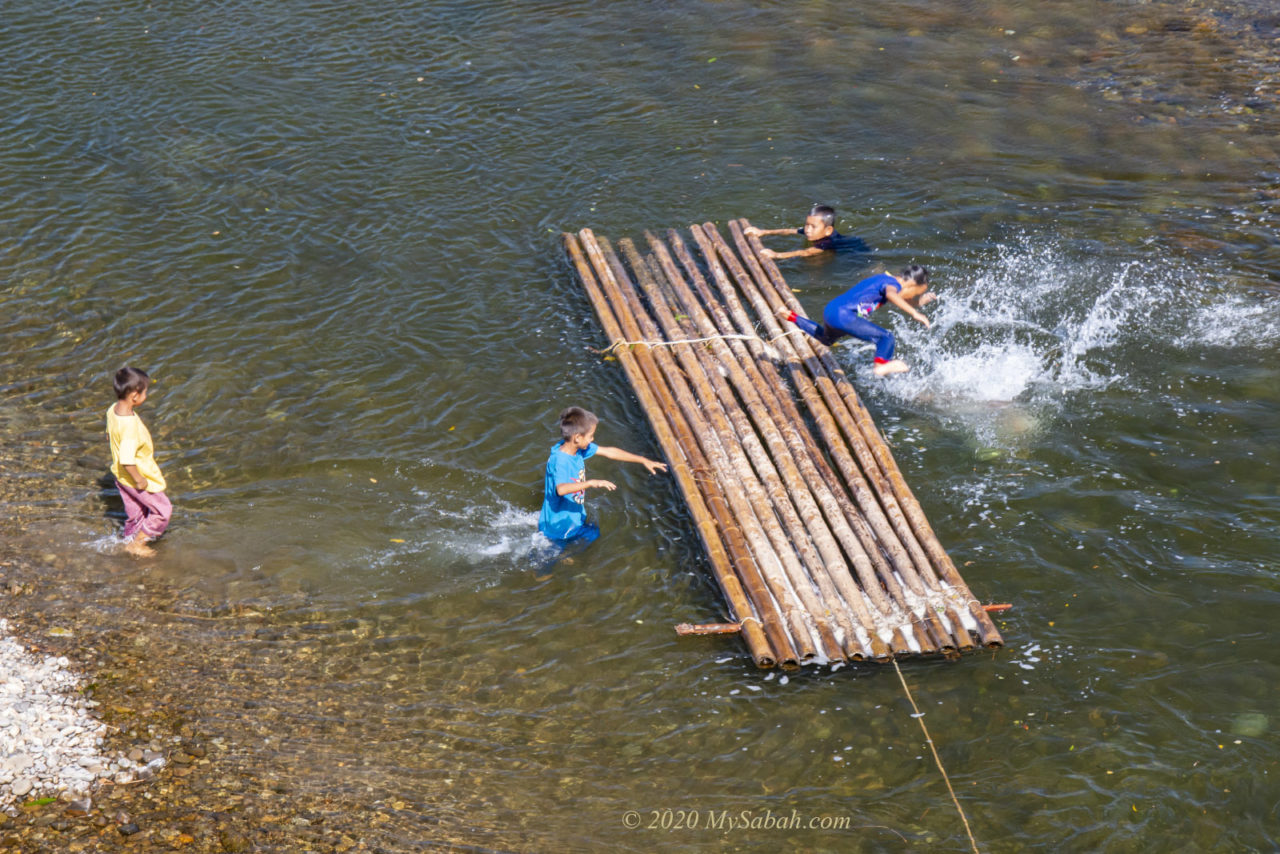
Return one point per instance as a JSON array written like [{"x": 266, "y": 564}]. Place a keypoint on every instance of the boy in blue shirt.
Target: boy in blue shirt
[
  {"x": 848, "y": 313},
  {"x": 819, "y": 229},
  {"x": 564, "y": 515}
]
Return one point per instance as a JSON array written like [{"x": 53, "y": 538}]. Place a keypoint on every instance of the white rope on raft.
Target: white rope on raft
[{"x": 621, "y": 343}]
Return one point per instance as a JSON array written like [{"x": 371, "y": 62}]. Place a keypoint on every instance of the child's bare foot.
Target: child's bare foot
[
  {"x": 784, "y": 314},
  {"x": 897, "y": 366},
  {"x": 137, "y": 546}
]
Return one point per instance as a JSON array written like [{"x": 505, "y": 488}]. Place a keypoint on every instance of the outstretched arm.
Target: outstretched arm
[
  {"x": 906, "y": 306},
  {"x": 752, "y": 231},
  {"x": 796, "y": 253},
  {"x": 611, "y": 453}
]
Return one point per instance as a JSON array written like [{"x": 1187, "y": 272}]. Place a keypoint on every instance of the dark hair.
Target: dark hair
[
  {"x": 916, "y": 273},
  {"x": 129, "y": 380},
  {"x": 576, "y": 421},
  {"x": 827, "y": 213}
]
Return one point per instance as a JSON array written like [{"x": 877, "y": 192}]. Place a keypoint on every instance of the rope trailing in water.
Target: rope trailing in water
[
  {"x": 620, "y": 343},
  {"x": 919, "y": 716}
]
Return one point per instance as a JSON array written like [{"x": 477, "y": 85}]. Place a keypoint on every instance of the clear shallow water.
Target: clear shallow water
[{"x": 330, "y": 234}]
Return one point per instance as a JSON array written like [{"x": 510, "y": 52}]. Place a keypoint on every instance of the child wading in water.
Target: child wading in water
[
  {"x": 848, "y": 313},
  {"x": 133, "y": 464},
  {"x": 564, "y": 515}
]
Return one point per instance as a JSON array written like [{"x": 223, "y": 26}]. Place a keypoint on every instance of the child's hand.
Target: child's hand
[
  {"x": 928, "y": 298},
  {"x": 924, "y": 321},
  {"x": 602, "y": 484},
  {"x": 766, "y": 252},
  {"x": 751, "y": 231},
  {"x": 653, "y": 466}
]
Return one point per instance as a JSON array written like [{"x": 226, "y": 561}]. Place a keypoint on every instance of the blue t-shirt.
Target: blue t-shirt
[
  {"x": 563, "y": 514},
  {"x": 860, "y": 300}
]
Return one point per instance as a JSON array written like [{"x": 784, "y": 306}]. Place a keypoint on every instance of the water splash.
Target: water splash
[
  {"x": 105, "y": 544},
  {"x": 1037, "y": 322},
  {"x": 1235, "y": 320},
  {"x": 464, "y": 530}
]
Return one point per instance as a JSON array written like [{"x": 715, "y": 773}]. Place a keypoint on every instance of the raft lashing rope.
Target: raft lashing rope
[{"x": 821, "y": 550}]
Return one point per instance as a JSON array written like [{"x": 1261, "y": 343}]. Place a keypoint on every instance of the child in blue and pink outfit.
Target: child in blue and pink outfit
[{"x": 849, "y": 313}]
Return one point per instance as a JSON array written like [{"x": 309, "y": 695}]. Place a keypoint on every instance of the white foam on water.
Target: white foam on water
[
  {"x": 440, "y": 528},
  {"x": 1037, "y": 322},
  {"x": 1235, "y": 320},
  {"x": 105, "y": 544}
]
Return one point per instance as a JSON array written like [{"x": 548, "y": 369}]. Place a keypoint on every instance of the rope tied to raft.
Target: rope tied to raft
[
  {"x": 623, "y": 343},
  {"x": 919, "y": 716}
]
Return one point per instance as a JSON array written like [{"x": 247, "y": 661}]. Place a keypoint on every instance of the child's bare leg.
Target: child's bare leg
[{"x": 893, "y": 366}]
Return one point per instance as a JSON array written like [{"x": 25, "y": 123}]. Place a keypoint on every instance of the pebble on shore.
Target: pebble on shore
[{"x": 50, "y": 742}]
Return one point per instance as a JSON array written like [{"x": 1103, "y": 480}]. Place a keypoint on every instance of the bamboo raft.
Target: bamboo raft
[{"x": 821, "y": 550}]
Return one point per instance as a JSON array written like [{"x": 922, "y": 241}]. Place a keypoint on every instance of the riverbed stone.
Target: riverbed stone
[{"x": 79, "y": 807}]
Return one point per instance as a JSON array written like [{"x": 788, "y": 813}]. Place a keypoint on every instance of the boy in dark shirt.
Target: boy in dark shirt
[{"x": 819, "y": 229}]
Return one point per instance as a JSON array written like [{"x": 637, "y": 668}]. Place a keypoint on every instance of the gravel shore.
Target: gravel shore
[{"x": 50, "y": 740}]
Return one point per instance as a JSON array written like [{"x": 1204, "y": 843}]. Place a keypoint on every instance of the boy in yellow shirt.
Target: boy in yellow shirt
[{"x": 133, "y": 463}]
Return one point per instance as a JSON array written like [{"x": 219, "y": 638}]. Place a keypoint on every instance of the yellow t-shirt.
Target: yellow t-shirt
[{"x": 131, "y": 445}]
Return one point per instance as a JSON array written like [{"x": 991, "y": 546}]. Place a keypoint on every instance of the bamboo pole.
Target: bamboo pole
[
  {"x": 784, "y": 436},
  {"x": 759, "y": 362},
  {"x": 755, "y": 360},
  {"x": 708, "y": 628},
  {"x": 802, "y": 527},
  {"x": 761, "y": 358},
  {"x": 896, "y": 490},
  {"x": 760, "y": 576},
  {"x": 910, "y": 562},
  {"x": 871, "y": 524},
  {"x": 867, "y": 445},
  {"x": 752, "y": 509},
  {"x": 761, "y": 631}
]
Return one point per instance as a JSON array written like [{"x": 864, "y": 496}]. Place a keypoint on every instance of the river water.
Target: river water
[{"x": 329, "y": 232}]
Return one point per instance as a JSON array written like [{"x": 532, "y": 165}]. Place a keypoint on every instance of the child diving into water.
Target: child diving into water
[{"x": 848, "y": 313}]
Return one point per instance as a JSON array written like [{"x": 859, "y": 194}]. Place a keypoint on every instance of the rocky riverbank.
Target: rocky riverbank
[
  {"x": 104, "y": 742},
  {"x": 113, "y": 731},
  {"x": 50, "y": 742}
]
